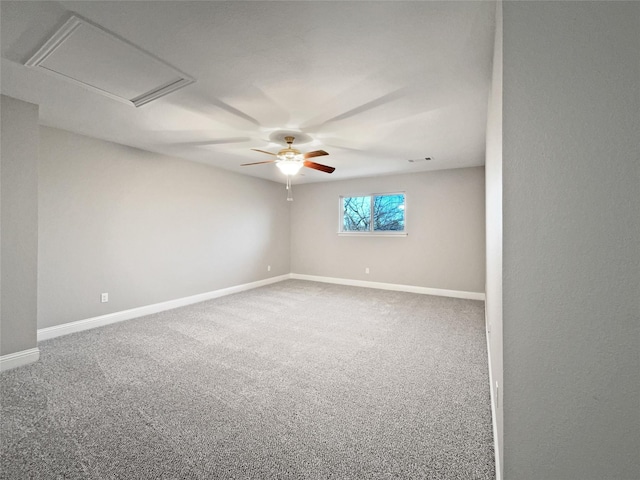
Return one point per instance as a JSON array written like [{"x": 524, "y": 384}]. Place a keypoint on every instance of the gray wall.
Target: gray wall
[
  {"x": 493, "y": 179},
  {"x": 19, "y": 225},
  {"x": 571, "y": 285},
  {"x": 147, "y": 228},
  {"x": 445, "y": 221}
]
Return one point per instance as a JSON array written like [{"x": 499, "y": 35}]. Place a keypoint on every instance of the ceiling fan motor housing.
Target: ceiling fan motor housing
[{"x": 290, "y": 154}]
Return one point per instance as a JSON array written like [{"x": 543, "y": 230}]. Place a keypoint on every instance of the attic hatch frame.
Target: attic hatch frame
[{"x": 67, "y": 30}]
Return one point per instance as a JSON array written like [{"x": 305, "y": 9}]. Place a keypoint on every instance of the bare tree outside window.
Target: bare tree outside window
[
  {"x": 379, "y": 213},
  {"x": 388, "y": 212},
  {"x": 356, "y": 214}
]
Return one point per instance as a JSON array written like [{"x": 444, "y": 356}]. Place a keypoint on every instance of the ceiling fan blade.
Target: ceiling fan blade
[
  {"x": 262, "y": 151},
  {"x": 318, "y": 166},
  {"x": 315, "y": 153},
  {"x": 257, "y": 163}
]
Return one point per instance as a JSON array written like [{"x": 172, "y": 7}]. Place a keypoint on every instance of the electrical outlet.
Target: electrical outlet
[
  {"x": 104, "y": 298},
  {"x": 268, "y": 268},
  {"x": 366, "y": 270}
]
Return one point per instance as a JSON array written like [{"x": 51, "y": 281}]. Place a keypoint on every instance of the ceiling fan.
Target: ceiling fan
[{"x": 290, "y": 161}]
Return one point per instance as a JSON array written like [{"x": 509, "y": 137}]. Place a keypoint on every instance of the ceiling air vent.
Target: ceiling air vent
[{"x": 97, "y": 59}]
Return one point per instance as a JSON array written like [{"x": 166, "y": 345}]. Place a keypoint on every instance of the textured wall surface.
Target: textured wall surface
[
  {"x": 493, "y": 174},
  {"x": 147, "y": 228},
  {"x": 19, "y": 217},
  {"x": 571, "y": 285},
  {"x": 445, "y": 223}
]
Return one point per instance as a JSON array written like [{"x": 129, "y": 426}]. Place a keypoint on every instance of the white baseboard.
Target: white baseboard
[
  {"x": 102, "y": 320},
  {"x": 492, "y": 392},
  {"x": 392, "y": 286},
  {"x": 18, "y": 359}
]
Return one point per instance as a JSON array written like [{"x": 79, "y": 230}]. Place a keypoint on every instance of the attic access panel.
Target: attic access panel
[{"x": 94, "y": 58}]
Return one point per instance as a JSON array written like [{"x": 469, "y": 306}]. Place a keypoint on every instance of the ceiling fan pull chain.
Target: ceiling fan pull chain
[{"x": 289, "y": 189}]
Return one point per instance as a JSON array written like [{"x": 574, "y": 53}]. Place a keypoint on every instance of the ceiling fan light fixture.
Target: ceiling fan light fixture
[
  {"x": 290, "y": 155},
  {"x": 289, "y": 167}
]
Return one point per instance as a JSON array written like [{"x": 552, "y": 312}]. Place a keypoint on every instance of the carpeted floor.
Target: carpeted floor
[{"x": 294, "y": 380}]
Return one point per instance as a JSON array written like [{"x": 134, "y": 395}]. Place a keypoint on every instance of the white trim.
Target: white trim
[
  {"x": 67, "y": 30},
  {"x": 102, "y": 320},
  {"x": 161, "y": 91},
  {"x": 371, "y": 234},
  {"x": 494, "y": 421},
  {"x": 392, "y": 286},
  {"x": 57, "y": 39},
  {"x": 19, "y": 359}
]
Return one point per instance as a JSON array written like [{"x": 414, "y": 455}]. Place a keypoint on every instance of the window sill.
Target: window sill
[{"x": 372, "y": 234}]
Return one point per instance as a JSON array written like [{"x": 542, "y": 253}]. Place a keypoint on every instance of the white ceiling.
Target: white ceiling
[{"x": 373, "y": 83}]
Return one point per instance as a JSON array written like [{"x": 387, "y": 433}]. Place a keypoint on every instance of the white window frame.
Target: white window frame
[{"x": 370, "y": 233}]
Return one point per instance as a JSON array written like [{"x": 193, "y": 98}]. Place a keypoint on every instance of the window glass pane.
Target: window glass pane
[
  {"x": 388, "y": 212},
  {"x": 356, "y": 214}
]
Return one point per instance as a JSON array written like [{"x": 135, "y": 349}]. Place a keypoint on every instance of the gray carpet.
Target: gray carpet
[{"x": 294, "y": 380}]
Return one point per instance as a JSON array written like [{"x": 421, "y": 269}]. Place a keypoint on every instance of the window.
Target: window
[{"x": 382, "y": 214}]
